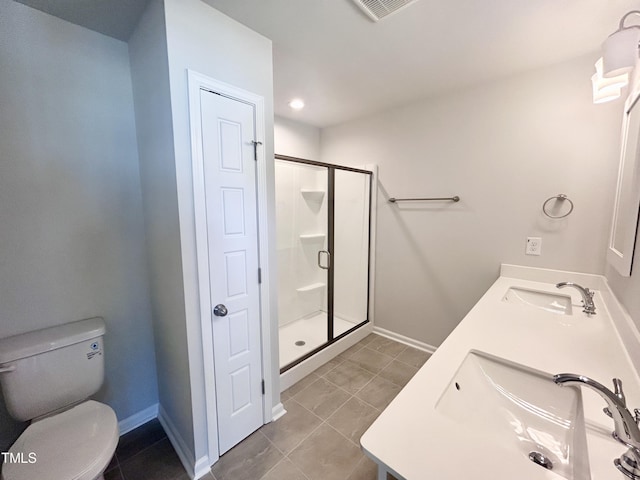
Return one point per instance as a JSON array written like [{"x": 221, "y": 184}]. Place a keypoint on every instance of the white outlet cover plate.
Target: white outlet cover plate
[{"x": 534, "y": 246}]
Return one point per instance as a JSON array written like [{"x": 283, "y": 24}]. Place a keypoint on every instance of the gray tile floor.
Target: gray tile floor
[
  {"x": 146, "y": 454},
  {"x": 318, "y": 438}
]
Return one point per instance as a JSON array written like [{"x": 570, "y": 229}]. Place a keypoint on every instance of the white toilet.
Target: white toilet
[{"x": 47, "y": 377}]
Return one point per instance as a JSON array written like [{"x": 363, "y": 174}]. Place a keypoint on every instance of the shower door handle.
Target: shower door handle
[{"x": 320, "y": 252}]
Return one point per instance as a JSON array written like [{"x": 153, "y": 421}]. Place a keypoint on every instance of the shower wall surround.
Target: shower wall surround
[{"x": 301, "y": 211}]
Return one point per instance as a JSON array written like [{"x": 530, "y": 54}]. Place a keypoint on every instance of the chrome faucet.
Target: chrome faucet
[
  {"x": 587, "y": 296},
  {"x": 625, "y": 425}
]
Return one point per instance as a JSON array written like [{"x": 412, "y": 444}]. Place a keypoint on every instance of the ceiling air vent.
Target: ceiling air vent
[{"x": 379, "y": 9}]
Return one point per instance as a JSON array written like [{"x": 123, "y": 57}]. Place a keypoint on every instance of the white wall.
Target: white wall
[
  {"x": 206, "y": 41},
  {"x": 71, "y": 236},
  {"x": 296, "y": 139},
  {"x": 503, "y": 147},
  {"x": 627, "y": 289}
]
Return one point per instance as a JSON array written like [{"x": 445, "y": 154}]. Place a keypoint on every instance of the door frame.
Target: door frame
[{"x": 196, "y": 83}]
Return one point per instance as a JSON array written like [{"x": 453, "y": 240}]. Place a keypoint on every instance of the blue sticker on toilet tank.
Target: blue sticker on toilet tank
[{"x": 95, "y": 350}]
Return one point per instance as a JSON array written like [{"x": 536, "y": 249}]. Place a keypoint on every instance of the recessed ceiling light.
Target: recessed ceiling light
[{"x": 297, "y": 104}]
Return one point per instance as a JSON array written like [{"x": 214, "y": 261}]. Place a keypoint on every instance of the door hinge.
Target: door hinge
[
  {"x": 259, "y": 275},
  {"x": 263, "y": 387},
  {"x": 255, "y": 149}
]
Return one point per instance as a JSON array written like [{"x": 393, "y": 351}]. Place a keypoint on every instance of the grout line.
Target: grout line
[
  {"x": 342, "y": 435},
  {"x": 120, "y": 470},
  {"x": 308, "y": 410},
  {"x": 304, "y": 378},
  {"x": 351, "y": 396},
  {"x": 342, "y": 360},
  {"x": 284, "y": 459},
  {"x": 300, "y": 442},
  {"x": 115, "y": 460},
  {"x": 374, "y": 377}
]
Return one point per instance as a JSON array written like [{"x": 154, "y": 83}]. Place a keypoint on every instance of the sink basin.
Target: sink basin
[
  {"x": 551, "y": 302},
  {"x": 509, "y": 408}
]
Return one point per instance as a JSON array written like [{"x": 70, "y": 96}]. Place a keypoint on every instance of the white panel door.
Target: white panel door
[{"x": 228, "y": 132}]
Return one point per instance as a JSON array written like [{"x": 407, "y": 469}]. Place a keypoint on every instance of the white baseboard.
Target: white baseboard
[
  {"x": 406, "y": 340},
  {"x": 134, "y": 421},
  {"x": 277, "y": 412},
  {"x": 201, "y": 467}
]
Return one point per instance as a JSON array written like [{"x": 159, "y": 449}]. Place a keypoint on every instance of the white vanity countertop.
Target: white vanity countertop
[{"x": 416, "y": 442}]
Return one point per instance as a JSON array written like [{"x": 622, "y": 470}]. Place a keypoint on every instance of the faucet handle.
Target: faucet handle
[
  {"x": 608, "y": 413},
  {"x": 617, "y": 386}
]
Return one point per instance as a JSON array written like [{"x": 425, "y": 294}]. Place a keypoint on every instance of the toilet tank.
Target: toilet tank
[{"x": 45, "y": 370}]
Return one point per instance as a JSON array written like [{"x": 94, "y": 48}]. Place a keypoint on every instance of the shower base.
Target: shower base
[{"x": 310, "y": 330}]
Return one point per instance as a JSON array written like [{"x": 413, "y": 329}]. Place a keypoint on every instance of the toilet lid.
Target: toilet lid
[{"x": 76, "y": 444}]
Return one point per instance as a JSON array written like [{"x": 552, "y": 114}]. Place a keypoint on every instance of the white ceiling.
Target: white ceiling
[{"x": 345, "y": 66}]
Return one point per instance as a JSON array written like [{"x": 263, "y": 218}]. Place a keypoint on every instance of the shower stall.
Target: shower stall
[{"x": 323, "y": 222}]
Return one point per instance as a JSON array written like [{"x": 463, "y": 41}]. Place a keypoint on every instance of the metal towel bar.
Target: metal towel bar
[{"x": 451, "y": 199}]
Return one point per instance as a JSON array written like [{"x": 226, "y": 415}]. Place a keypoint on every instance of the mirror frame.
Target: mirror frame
[{"x": 624, "y": 226}]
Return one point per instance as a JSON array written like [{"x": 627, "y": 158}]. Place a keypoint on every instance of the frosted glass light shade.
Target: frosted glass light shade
[
  {"x": 600, "y": 81},
  {"x": 604, "y": 94},
  {"x": 620, "y": 51}
]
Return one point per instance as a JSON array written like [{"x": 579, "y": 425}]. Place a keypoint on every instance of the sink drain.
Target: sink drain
[
  {"x": 300, "y": 343},
  {"x": 540, "y": 459}
]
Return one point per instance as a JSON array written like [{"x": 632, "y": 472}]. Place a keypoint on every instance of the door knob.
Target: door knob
[{"x": 220, "y": 310}]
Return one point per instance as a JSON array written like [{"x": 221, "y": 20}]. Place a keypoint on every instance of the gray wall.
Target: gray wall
[
  {"x": 504, "y": 147},
  {"x": 150, "y": 78},
  {"x": 71, "y": 236}
]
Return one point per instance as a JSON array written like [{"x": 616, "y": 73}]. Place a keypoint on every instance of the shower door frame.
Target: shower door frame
[{"x": 331, "y": 168}]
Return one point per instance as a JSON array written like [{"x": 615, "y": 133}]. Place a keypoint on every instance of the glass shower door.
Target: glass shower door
[
  {"x": 303, "y": 258},
  {"x": 350, "y": 248}
]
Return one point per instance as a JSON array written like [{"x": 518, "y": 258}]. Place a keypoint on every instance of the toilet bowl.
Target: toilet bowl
[
  {"x": 76, "y": 444},
  {"x": 47, "y": 377}
]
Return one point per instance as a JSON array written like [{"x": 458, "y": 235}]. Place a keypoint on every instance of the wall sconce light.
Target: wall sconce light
[
  {"x": 620, "y": 50},
  {"x": 620, "y": 53},
  {"x": 607, "y": 89}
]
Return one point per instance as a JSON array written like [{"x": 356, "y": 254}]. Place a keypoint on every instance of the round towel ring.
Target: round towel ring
[{"x": 560, "y": 197}]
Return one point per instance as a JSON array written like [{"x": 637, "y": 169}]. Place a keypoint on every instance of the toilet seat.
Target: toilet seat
[{"x": 76, "y": 444}]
